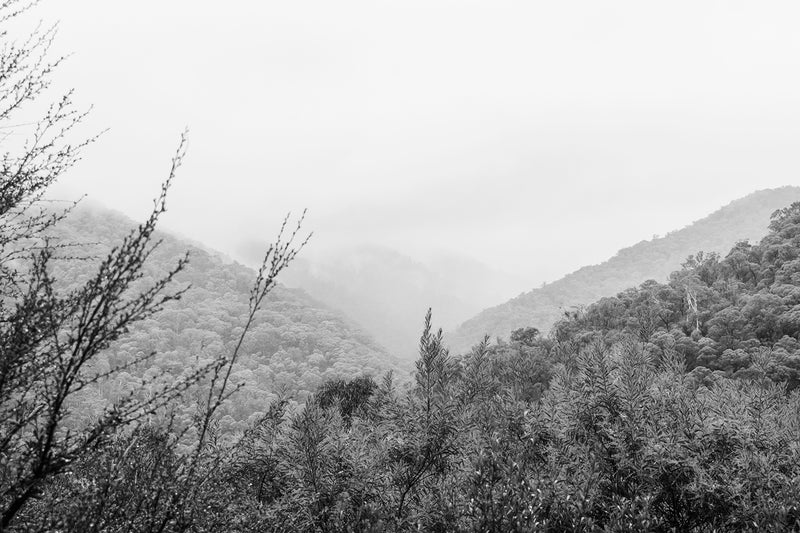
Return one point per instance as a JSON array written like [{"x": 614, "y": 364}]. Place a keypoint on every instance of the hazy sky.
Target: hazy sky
[{"x": 535, "y": 136}]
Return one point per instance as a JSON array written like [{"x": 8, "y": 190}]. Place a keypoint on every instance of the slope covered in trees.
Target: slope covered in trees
[
  {"x": 743, "y": 219},
  {"x": 718, "y": 313},
  {"x": 294, "y": 345},
  {"x": 670, "y": 407}
]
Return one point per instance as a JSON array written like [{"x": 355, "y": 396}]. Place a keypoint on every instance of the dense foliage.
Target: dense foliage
[
  {"x": 293, "y": 346},
  {"x": 744, "y": 219},
  {"x": 608, "y": 424},
  {"x": 618, "y": 442},
  {"x": 717, "y": 313}
]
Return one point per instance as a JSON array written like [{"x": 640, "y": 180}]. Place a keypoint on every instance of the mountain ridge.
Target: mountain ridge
[{"x": 744, "y": 218}]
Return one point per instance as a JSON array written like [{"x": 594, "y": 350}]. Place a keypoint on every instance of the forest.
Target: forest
[
  {"x": 670, "y": 407},
  {"x": 149, "y": 385},
  {"x": 293, "y": 345},
  {"x": 743, "y": 219}
]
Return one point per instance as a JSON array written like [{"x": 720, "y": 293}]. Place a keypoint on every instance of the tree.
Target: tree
[
  {"x": 427, "y": 425},
  {"x": 525, "y": 336},
  {"x": 347, "y": 396},
  {"x": 49, "y": 337}
]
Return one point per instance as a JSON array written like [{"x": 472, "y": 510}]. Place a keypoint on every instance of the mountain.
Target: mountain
[
  {"x": 733, "y": 315},
  {"x": 296, "y": 343},
  {"x": 743, "y": 219},
  {"x": 388, "y": 292},
  {"x": 669, "y": 407}
]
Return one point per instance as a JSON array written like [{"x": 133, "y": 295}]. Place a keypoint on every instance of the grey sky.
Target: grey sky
[{"x": 535, "y": 136}]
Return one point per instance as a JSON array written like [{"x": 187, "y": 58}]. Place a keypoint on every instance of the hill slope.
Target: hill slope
[
  {"x": 746, "y": 218},
  {"x": 388, "y": 292},
  {"x": 295, "y": 344}
]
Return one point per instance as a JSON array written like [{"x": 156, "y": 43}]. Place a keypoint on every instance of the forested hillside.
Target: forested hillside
[
  {"x": 743, "y": 219},
  {"x": 721, "y": 314},
  {"x": 295, "y": 344},
  {"x": 670, "y": 407}
]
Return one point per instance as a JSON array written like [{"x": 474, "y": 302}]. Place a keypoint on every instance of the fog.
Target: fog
[{"x": 535, "y": 137}]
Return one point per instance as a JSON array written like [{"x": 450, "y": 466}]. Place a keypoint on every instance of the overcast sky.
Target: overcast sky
[{"x": 535, "y": 136}]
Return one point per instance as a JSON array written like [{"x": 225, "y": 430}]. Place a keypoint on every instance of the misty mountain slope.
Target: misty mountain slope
[
  {"x": 743, "y": 219},
  {"x": 295, "y": 343},
  {"x": 388, "y": 293}
]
